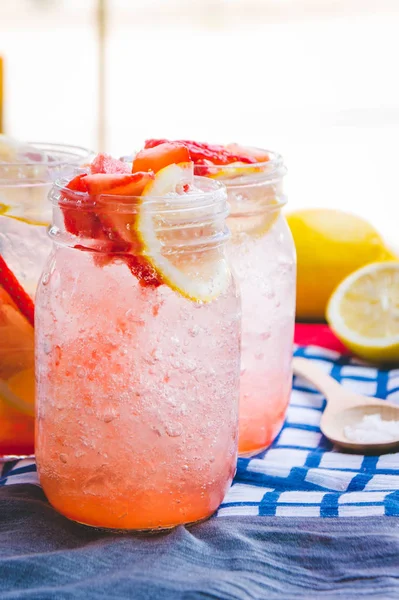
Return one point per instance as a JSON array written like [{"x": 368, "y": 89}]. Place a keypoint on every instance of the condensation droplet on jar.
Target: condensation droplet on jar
[
  {"x": 81, "y": 372},
  {"x": 57, "y": 355},
  {"x": 265, "y": 335},
  {"x": 110, "y": 414},
  {"x": 174, "y": 429},
  {"x": 171, "y": 400},
  {"x": 194, "y": 331},
  {"x": 189, "y": 366},
  {"x": 153, "y": 357},
  {"x": 156, "y": 430}
]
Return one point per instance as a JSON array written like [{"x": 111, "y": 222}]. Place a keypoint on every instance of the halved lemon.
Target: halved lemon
[
  {"x": 200, "y": 275},
  {"x": 363, "y": 312}
]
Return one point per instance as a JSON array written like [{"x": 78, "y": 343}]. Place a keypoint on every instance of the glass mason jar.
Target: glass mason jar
[
  {"x": 262, "y": 253},
  {"x": 24, "y": 246},
  {"x": 137, "y": 386}
]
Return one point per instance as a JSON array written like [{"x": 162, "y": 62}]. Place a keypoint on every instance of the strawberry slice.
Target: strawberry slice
[
  {"x": 77, "y": 184},
  {"x": 103, "y": 163},
  {"x": 116, "y": 184},
  {"x": 108, "y": 223},
  {"x": 204, "y": 167},
  {"x": 138, "y": 265},
  {"x": 254, "y": 153},
  {"x": 199, "y": 151},
  {"x": 80, "y": 219},
  {"x": 11, "y": 285},
  {"x": 119, "y": 227},
  {"x": 159, "y": 156},
  {"x": 143, "y": 270}
]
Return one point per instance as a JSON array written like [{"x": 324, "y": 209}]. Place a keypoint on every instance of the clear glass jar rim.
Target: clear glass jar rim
[
  {"x": 210, "y": 192},
  {"x": 270, "y": 171},
  {"x": 75, "y": 154}
]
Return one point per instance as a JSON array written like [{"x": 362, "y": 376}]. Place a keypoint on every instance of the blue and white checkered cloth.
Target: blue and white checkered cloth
[{"x": 302, "y": 474}]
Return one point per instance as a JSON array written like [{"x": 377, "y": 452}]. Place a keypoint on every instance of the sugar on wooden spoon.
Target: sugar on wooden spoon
[{"x": 352, "y": 421}]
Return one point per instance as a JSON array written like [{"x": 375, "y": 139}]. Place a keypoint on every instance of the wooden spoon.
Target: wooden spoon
[{"x": 346, "y": 408}]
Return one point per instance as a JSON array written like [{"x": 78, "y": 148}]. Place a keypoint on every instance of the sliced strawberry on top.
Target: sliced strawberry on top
[
  {"x": 159, "y": 156},
  {"x": 77, "y": 184},
  {"x": 118, "y": 226},
  {"x": 11, "y": 285},
  {"x": 79, "y": 217},
  {"x": 103, "y": 163},
  {"x": 116, "y": 184},
  {"x": 203, "y": 167},
  {"x": 199, "y": 151},
  {"x": 254, "y": 153},
  {"x": 109, "y": 223}
]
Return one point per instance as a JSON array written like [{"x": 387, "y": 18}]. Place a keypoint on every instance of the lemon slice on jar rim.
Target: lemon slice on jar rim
[
  {"x": 200, "y": 276},
  {"x": 363, "y": 312}
]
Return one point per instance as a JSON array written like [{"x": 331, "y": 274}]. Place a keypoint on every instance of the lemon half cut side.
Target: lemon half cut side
[{"x": 363, "y": 312}]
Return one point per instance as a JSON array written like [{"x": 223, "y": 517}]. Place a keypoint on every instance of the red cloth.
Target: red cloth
[{"x": 318, "y": 334}]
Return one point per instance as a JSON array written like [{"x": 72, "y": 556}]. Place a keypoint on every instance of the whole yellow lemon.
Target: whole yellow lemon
[{"x": 330, "y": 245}]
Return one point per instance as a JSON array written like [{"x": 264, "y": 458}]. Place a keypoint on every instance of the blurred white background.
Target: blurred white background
[{"x": 313, "y": 79}]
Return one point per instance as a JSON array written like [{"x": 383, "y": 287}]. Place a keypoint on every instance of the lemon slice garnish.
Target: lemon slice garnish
[
  {"x": 363, "y": 312},
  {"x": 254, "y": 225},
  {"x": 232, "y": 170},
  {"x": 201, "y": 274},
  {"x": 5, "y": 211}
]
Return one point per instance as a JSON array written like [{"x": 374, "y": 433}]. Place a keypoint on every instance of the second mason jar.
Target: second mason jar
[
  {"x": 27, "y": 172},
  {"x": 138, "y": 372},
  {"x": 262, "y": 253}
]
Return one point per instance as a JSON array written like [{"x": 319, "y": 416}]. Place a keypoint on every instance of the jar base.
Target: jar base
[
  {"x": 149, "y": 531},
  {"x": 254, "y": 452}
]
